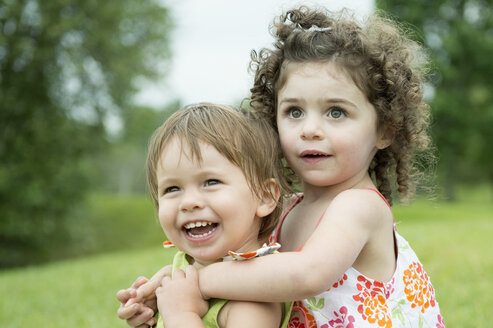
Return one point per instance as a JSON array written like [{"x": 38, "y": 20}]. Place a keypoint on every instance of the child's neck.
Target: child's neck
[{"x": 314, "y": 194}]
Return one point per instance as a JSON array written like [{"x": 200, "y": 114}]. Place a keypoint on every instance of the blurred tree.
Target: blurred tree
[
  {"x": 67, "y": 69},
  {"x": 122, "y": 168},
  {"x": 459, "y": 34}
]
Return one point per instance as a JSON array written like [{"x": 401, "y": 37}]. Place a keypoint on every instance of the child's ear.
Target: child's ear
[
  {"x": 269, "y": 200},
  {"x": 385, "y": 137}
]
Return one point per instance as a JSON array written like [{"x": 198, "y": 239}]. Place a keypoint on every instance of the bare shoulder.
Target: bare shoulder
[
  {"x": 365, "y": 205},
  {"x": 250, "y": 314},
  {"x": 368, "y": 211}
]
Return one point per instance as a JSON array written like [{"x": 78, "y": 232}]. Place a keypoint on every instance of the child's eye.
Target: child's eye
[
  {"x": 295, "y": 112},
  {"x": 337, "y": 113},
  {"x": 171, "y": 189},
  {"x": 211, "y": 182}
]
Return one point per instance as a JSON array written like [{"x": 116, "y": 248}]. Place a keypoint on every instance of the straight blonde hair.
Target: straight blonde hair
[{"x": 249, "y": 143}]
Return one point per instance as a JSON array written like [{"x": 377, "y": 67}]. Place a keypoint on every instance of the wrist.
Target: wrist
[{"x": 203, "y": 283}]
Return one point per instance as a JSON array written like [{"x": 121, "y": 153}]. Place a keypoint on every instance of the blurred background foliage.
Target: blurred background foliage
[
  {"x": 71, "y": 136},
  {"x": 68, "y": 125},
  {"x": 459, "y": 36}
]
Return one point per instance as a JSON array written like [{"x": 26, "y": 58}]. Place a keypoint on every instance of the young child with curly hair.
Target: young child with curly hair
[{"x": 346, "y": 99}]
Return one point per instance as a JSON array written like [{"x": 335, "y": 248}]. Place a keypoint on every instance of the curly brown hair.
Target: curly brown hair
[{"x": 385, "y": 64}]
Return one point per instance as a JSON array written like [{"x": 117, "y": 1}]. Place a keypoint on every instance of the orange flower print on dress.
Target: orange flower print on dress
[
  {"x": 372, "y": 298},
  {"x": 301, "y": 317},
  {"x": 418, "y": 288}
]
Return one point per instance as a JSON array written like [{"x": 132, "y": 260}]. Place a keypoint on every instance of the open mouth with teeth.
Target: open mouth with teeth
[{"x": 199, "y": 229}]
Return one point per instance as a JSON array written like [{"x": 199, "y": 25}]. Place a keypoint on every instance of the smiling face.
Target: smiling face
[
  {"x": 206, "y": 208},
  {"x": 327, "y": 127}
]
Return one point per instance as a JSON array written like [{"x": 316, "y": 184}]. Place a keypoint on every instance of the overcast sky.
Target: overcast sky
[{"x": 211, "y": 47}]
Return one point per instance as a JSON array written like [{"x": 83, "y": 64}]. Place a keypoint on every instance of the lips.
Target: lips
[{"x": 313, "y": 154}]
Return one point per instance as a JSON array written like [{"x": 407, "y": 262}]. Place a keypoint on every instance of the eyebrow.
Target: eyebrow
[
  {"x": 341, "y": 100},
  {"x": 289, "y": 100},
  {"x": 205, "y": 172},
  {"x": 327, "y": 100},
  {"x": 165, "y": 180}
]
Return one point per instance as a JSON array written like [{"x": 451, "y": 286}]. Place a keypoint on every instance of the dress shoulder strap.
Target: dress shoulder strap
[
  {"x": 381, "y": 196},
  {"x": 393, "y": 219},
  {"x": 274, "y": 237},
  {"x": 386, "y": 202}
]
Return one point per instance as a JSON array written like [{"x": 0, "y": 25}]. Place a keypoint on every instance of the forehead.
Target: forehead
[
  {"x": 302, "y": 79},
  {"x": 179, "y": 148},
  {"x": 178, "y": 162},
  {"x": 319, "y": 69},
  {"x": 180, "y": 152}
]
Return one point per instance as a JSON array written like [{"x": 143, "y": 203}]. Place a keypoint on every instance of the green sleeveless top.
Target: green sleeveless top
[{"x": 215, "y": 304}]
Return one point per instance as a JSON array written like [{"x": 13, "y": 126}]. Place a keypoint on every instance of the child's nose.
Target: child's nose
[
  {"x": 191, "y": 200},
  {"x": 311, "y": 129}
]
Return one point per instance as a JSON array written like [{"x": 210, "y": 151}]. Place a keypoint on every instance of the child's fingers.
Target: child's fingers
[
  {"x": 151, "y": 322},
  {"x": 126, "y": 312},
  {"x": 139, "y": 282},
  {"x": 143, "y": 315},
  {"x": 123, "y": 295},
  {"x": 165, "y": 280},
  {"x": 178, "y": 274},
  {"x": 191, "y": 273},
  {"x": 151, "y": 303},
  {"x": 149, "y": 288}
]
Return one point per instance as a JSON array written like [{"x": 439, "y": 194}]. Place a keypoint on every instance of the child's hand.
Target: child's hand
[
  {"x": 136, "y": 313},
  {"x": 138, "y": 303},
  {"x": 180, "y": 296}
]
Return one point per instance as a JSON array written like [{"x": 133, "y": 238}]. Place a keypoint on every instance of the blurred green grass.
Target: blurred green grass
[
  {"x": 74, "y": 293},
  {"x": 452, "y": 240},
  {"x": 114, "y": 222}
]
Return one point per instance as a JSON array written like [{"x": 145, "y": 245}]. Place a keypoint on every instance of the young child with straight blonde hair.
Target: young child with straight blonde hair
[{"x": 215, "y": 177}]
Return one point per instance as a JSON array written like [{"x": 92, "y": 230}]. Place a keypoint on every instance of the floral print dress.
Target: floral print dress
[{"x": 407, "y": 300}]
